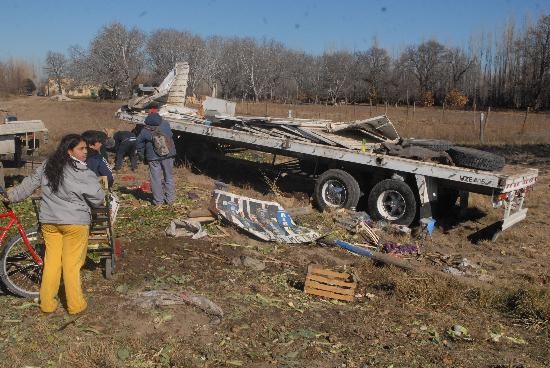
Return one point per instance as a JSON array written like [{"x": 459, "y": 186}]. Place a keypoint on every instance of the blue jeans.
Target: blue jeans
[{"x": 162, "y": 181}]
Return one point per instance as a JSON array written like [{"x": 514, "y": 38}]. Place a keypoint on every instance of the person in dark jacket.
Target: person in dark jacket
[
  {"x": 125, "y": 145},
  {"x": 102, "y": 136},
  {"x": 160, "y": 167},
  {"x": 95, "y": 161}
]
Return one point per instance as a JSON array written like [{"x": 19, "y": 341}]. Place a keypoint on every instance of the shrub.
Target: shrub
[
  {"x": 427, "y": 99},
  {"x": 456, "y": 99}
]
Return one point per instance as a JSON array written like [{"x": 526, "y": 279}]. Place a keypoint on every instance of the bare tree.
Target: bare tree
[
  {"x": 115, "y": 58},
  {"x": 56, "y": 68},
  {"x": 337, "y": 66},
  {"x": 373, "y": 68},
  {"x": 424, "y": 62},
  {"x": 13, "y": 72},
  {"x": 538, "y": 45}
]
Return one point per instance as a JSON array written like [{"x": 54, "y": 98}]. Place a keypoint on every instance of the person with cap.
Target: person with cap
[{"x": 160, "y": 167}]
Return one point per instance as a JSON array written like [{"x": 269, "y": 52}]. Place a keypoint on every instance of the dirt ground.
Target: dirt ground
[{"x": 398, "y": 319}]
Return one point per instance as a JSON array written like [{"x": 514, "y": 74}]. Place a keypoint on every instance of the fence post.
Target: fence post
[
  {"x": 370, "y": 103},
  {"x": 266, "y": 108},
  {"x": 524, "y": 121},
  {"x": 474, "y": 116},
  {"x": 386, "y": 108},
  {"x": 481, "y": 127},
  {"x": 443, "y": 114},
  {"x": 414, "y": 110}
]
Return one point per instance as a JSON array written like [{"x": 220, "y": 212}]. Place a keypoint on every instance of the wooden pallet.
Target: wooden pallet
[{"x": 329, "y": 284}]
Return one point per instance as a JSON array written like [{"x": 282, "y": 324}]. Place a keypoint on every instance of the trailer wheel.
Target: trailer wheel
[
  {"x": 476, "y": 159},
  {"x": 437, "y": 145},
  {"x": 392, "y": 200},
  {"x": 336, "y": 189}
]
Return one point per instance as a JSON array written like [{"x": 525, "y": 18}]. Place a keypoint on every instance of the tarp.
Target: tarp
[{"x": 266, "y": 220}]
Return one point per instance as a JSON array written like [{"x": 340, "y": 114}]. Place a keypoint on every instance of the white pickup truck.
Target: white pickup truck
[{"x": 19, "y": 137}]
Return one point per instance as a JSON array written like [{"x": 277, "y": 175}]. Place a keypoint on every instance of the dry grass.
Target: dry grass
[{"x": 503, "y": 127}]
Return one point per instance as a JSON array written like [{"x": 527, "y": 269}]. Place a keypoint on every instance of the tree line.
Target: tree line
[{"x": 509, "y": 70}]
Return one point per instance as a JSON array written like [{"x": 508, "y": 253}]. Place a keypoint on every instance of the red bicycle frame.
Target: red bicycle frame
[{"x": 13, "y": 219}]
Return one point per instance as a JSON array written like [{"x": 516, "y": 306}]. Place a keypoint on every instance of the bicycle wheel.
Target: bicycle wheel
[{"x": 18, "y": 270}]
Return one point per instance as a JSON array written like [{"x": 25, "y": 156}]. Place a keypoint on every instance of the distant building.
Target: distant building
[{"x": 71, "y": 89}]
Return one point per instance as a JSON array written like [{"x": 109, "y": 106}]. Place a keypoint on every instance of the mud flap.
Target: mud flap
[{"x": 427, "y": 192}]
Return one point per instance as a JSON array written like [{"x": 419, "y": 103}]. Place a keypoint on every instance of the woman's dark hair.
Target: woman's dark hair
[{"x": 57, "y": 161}]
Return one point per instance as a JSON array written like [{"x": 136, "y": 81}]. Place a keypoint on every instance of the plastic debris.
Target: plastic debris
[
  {"x": 376, "y": 256},
  {"x": 183, "y": 227},
  {"x": 428, "y": 225},
  {"x": 266, "y": 220},
  {"x": 157, "y": 298},
  {"x": 458, "y": 332},
  {"x": 395, "y": 248}
]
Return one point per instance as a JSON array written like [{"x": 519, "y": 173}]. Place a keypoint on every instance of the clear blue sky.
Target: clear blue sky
[{"x": 32, "y": 27}]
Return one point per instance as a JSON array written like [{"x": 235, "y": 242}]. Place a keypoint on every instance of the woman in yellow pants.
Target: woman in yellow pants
[{"x": 68, "y": 189}]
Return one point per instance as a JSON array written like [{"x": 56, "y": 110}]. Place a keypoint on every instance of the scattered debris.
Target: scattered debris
[
  {"x": 496, "y": 337},
  {"x": 415, "y": 153},
  {"x": 458, "y": 332},
  {"x": 350, "y": 220},
  {"x": 158, "y": 298},
  {"x": 329, "y": 284},
  {"x": 185, "y": 227},
  {"x": 427, "y": 225},
  {"x": 249, "y": 262},
  {"x": 376, "y": 256},
  {"x": 395, "y": 248},
  {"x": 266, "y": 220},
  {"x": 459, "y": 266}
]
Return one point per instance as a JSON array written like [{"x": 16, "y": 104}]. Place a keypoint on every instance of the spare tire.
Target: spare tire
[
  {"x": 437, "y": 145},
  {"x": 476, "y": 159}
]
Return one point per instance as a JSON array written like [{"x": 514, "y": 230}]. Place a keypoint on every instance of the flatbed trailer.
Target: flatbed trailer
[{"x": 400, "y": 190}]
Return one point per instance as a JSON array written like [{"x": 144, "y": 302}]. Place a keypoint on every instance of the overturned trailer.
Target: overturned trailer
[{"x": 348, "y": 161}]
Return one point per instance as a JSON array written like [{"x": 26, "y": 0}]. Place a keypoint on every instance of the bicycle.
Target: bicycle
[{"x": 21, "y": 259}]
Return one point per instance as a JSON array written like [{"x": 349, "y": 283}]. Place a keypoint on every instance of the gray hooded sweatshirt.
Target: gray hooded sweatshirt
[{"x": 70, "y": 205}]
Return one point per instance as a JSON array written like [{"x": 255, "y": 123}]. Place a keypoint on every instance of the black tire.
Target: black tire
[
  {"x": 476, "y": 159},
  {"x": 437, "y": 145},
  {"x": 20, "y": 274},
  {"x": 392, "y": 200},
  {"x": 336, "y": 189}
]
